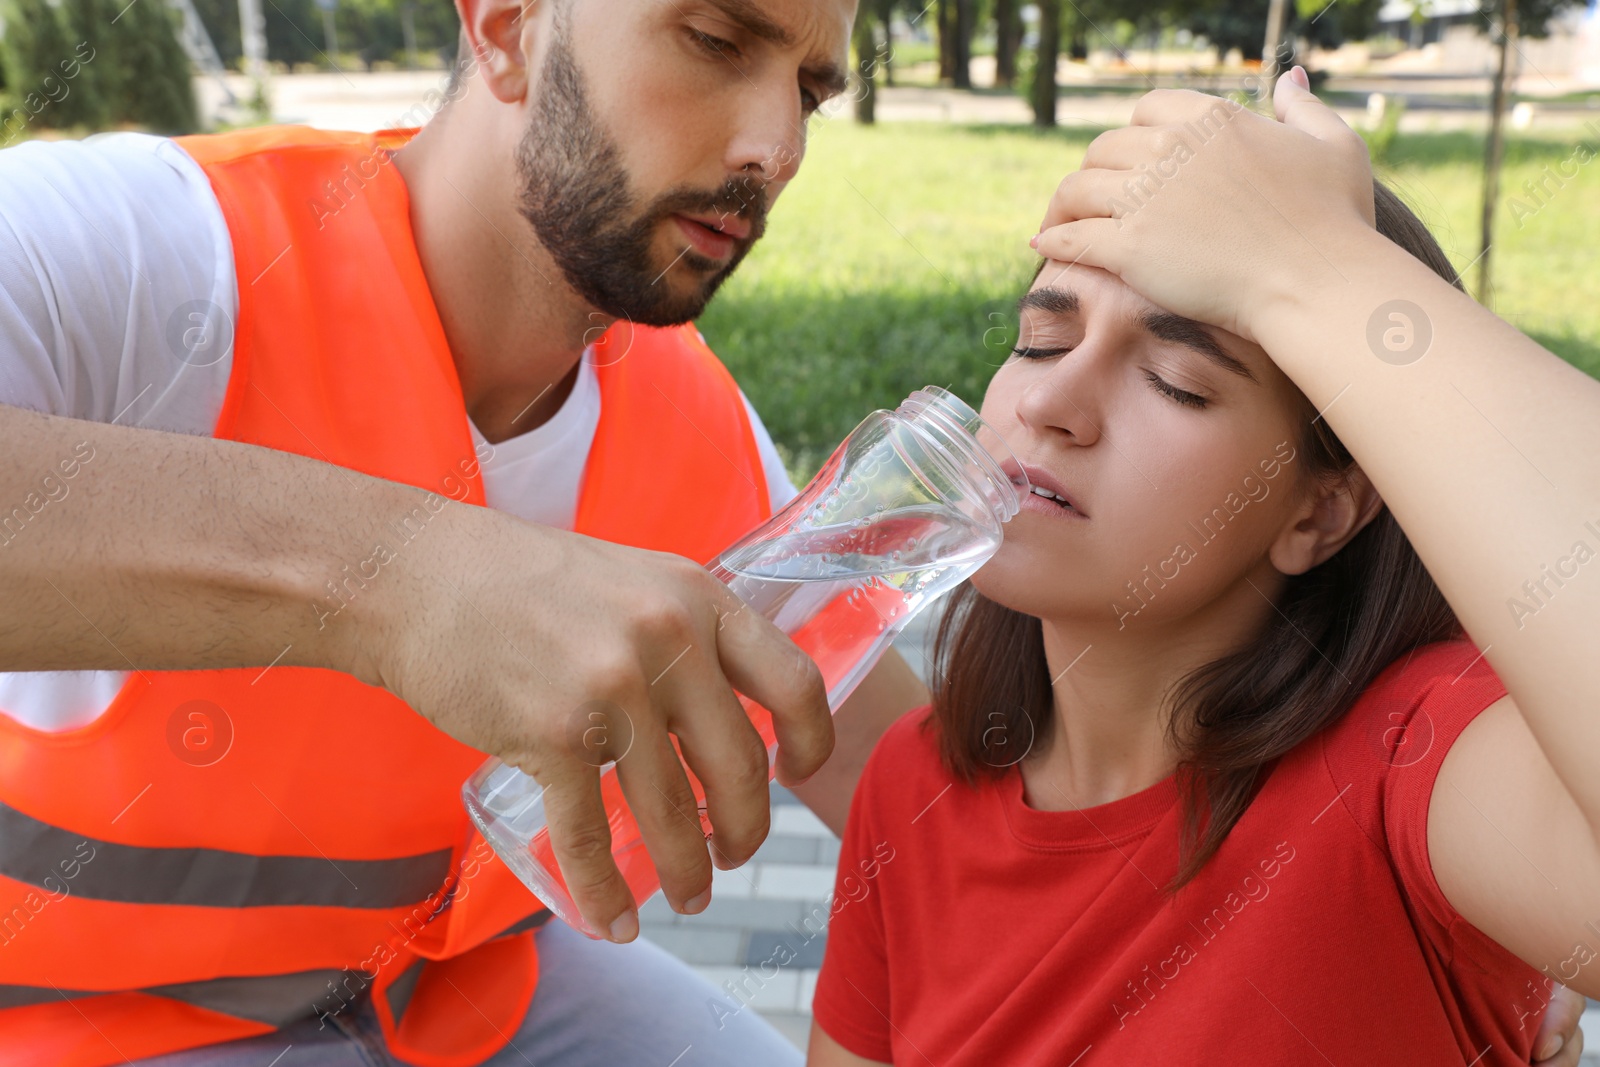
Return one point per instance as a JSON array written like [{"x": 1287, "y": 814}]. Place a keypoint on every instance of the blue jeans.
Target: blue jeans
[{"x": 597, "y": 1005}]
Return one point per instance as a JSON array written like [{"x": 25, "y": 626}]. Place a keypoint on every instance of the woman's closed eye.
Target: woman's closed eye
[
  {"x": 1039, "y": 353},
  {"x": 1182, "y": 396},
  {"x": 1161, "y": 385}
]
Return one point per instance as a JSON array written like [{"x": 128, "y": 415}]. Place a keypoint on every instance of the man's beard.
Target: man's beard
[{"x": 575, "y": 195}]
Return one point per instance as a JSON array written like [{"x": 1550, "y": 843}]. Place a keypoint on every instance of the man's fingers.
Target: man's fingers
[
  {"x": 722, "y": 747},
  {"x": 767, "y": 667},
  {"x": 580, "y": 837},
  {"x": 657, "y": 789}
]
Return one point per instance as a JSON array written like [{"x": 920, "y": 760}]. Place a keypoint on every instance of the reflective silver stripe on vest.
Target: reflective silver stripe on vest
[
  {"x": 274, "y": 999},
  {"x": 32, "y": 851}
]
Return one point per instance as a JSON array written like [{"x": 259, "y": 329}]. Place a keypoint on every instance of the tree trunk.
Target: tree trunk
[
  {"x": 865, "y": 43},
  {"x": 253, "y": 28},
  {"x": 1078, "y": 35},
  {"x": 1043, "y": 91},
  {"x": 330, "y": 35},
  {"x": 1007, "y": 39},
  {"x": 961, "y": 46},
  {"x": 945, "y": 16},
  {"x": 408, "y": 32},
  {"x": 886, "y": 14},
  {"x": 1494, "y": 151},
  {"x": 1270, "y": 46}
]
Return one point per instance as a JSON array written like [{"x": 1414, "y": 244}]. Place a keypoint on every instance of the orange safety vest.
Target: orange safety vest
[{"x": 223, "y": 852}]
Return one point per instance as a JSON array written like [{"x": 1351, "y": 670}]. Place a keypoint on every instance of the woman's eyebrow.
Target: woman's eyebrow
[
  {"x": 1163, "y": 325},
  {"x": 1054, "y": 301},
  {"x": 1190, "y": 334}
]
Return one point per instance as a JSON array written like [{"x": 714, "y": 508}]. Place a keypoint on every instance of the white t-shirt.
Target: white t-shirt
[{"x": 105, "y": 246}]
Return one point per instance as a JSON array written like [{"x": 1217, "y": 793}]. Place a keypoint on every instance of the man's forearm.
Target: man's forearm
[
  {"x": 125, "y": 548},
  {"x": 888, "y": 691}
]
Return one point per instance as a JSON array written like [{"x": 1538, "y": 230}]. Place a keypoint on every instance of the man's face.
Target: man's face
[{"x": 662, "y": 131}]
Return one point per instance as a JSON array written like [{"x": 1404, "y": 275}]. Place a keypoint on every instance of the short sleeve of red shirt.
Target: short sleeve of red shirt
[
  {"x": 1422, "y": 703},
  {"x": 852, "y": 996}
]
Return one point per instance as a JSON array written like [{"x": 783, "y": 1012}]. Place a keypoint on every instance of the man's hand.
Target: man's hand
[
  {"x": 160, "y": 551},
  {"x": 507, "y": 635},
  {"x": 1559, "y": 1042}
]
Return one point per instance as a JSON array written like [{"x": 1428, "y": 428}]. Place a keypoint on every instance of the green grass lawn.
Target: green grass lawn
[{"x": 894, "y": 260}]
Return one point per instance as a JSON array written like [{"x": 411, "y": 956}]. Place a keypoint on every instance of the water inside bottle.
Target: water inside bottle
[{"x": 834, "y": 590}]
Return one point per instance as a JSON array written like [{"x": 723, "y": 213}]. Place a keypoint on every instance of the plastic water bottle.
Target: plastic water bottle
[{"x": 907, "y": 507}]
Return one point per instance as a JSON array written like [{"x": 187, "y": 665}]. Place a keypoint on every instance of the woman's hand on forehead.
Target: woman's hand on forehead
[{"x": 1211, "y": 210}]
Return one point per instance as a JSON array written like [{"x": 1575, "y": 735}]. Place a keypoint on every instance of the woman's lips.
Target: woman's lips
[
  {"x": 1051, "y": 508},
  {"x": 706, "y": 240},
  {"x": 1057, "y": 500}
]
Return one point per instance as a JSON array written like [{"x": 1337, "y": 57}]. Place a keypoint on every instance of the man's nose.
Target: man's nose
[{"x": 770, "y": 137}]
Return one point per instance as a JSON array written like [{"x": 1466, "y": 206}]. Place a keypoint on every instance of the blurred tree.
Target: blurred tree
[
  {"x": 963, "y": 26},
  {"x": 955, "y": 24},
  {"x": 92, "y": 22},
  {"x": 374, "y": 28},
  {"x": 886, "y": 15},
  {"x": 1242, "y": 24},
  {"x": 154, "y": 79},
  {"x": 868, "y": 56},
  {"x": 1007, "y": 41},
  {"x": 45, "y": 67},
  {"x": 1042, "y": 92},
  {"x": 944, "y": 23},
  {"x": 1509, "y": 20},
  {"x": 1227, "y": 24}
]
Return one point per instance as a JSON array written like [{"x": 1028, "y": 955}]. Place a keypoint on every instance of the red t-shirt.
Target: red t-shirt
[{"x": 971, "y": 929}]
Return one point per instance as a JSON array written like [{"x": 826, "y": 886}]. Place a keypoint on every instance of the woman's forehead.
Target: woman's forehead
[
  {"x": 1077, "y": 287},
  {"x": 1086, "y": 280}
]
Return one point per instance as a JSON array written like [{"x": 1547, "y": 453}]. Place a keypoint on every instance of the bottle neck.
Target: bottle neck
[{"x": 968, "y": 440}]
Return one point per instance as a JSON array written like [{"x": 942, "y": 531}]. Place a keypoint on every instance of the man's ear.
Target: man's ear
[
  {"x": 1334, "y": 511},
  {"x": 498, "y": 33}
]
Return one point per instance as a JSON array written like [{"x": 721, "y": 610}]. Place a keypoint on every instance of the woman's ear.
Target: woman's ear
[
  {"x": 498, "y": 33},
  {"x": 1334, "y": 511}
]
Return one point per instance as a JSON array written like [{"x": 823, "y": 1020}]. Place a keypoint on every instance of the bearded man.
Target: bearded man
[{"x": 254, "y": 385}]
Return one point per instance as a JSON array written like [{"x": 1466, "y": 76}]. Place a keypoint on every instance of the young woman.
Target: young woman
[{"x": 1214, "y": 773}]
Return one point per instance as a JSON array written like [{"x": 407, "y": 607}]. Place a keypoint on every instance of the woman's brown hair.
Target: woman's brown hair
[{"x": 1336, "y": 627}]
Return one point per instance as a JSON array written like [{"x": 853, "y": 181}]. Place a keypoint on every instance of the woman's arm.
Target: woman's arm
[
  {"x": 1481, "y": 442},
  {"x": 824, "y": 1051},
  {"x": 1513, "y": 855},
  {"x": 1484, "y": 448},
  {"x": 888, "y": 691}
]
